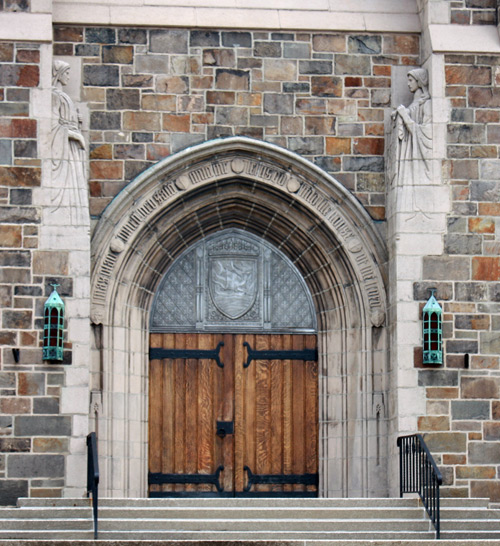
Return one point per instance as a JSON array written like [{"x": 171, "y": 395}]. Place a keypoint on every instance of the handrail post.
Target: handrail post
[
  {"x": 418, "y": 473},
  {"x": 93, "y": 475}
]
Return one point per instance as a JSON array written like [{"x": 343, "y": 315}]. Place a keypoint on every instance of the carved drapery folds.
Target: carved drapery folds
[{"x": 409, "y": 150}]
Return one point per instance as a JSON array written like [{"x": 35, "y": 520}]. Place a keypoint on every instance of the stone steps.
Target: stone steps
[{"x": 390, "y": 521}]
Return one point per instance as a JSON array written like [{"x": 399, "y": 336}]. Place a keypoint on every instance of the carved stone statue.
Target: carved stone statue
[
  {"x": 69, "y": 172},
  {"x": 410, "y": 147}
]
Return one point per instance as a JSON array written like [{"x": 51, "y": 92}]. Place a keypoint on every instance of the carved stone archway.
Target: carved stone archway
[{"x": 284, "y": 199}]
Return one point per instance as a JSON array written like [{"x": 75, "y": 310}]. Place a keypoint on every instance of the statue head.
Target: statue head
[
  {"x": 60, "y": 72},
  {"x": 421, "y": 76}
]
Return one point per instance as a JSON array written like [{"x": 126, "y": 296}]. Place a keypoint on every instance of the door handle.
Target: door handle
[{"x": 224, "y": 427}]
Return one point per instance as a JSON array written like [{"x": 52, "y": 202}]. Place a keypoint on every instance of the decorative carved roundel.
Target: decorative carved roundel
[{"x": 233, "y": 282}]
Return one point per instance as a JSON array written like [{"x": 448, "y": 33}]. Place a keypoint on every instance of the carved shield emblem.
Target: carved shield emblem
[{"x": 233, "y": 285}]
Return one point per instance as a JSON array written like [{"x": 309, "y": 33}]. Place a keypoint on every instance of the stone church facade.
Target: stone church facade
[{"x": 262, "y": 128}]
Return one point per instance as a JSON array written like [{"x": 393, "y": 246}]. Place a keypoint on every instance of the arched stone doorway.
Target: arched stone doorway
[{"x": 315, "y": 222}]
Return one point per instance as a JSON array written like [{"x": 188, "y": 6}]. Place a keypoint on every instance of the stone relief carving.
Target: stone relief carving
[
  {"x": 410, "y": 143},
  {"x": 69, "y": 167}
]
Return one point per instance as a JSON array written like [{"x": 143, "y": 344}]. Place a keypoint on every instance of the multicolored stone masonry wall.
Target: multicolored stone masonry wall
[
  {"x": 463, "y": 407},
  {"x": 154, "y": 92},
  {"x": 473, "y": 12},
  {"x": 33, "y": 437}
]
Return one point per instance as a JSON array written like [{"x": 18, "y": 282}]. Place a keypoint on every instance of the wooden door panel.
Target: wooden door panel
[{"x": 273, "y": 403}]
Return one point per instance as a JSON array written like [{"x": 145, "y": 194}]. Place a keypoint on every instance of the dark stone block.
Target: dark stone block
[
  {"x": 11, "y": 490},
  {"x": 315, "y": 67},
  {"x": 87, "y": 50},
  {"x": 466, "y": 134},
  {"x": 297, "y": 51},
  {"x": 132, "y": 36},
  {"x": 471, "y": 291},
  {"x": 484, "y": 453},
  {"x": 204, "y": 38},
  {"x": 352, "y": 65},
  {"x": 7, "y": 381},
  {"x": 25, "y": 148},
  {"x": 104, "y": 121},
  {"x": 438, "y": 378},
  {"x": 29, "y": 425},
  {"x": 264, "y": 121},
  {"x": 457, "y": 243},
  {"x": 46, "y": 405},
  {"x": 17, "y": 319},
  {"x": 27, "y": 291},
  {"x": 21, "y": 197},
  {"x": 236, "y": 39},
  {"x": 307, "y": 145},
  {"x": 421, "y": 290},
  {"x": 494, "y": 291},
  {"x": 368, "y": 45},
  {"x": 36, "y": 466},
  {"x": 267, "y": 49},
  {"x": 65, "y": 287},
  {"x": 123, "y": 99},
  {"x": 462, "y": 115},
  {"x": 118, "y": 54},
  {"x": 101, "y": 75},
  {"x": 461, "y": 346},
  {"x": 19, "y": 215},
  {"x": 100, "y": 35},
  {"x": 18, "y": 95},
  {"x": 129, "y": 151},
  {"x": 217, "y": 131},
  {"x": 15, "y": 445},
  {"x": 296, "y": 87},
  {"x": 465, "y": 410},
  {"x": 142, "y": 137},
  {"x": 168, "y": 41},
  {"x": 328, "y": 164},
  {"x": 284, "y": 36},
  {"x": 485, "y": 191},
  {"x": 275, "y": 103},
  {"x": 16, "y": 258},
  {"x": 371, "y": 164},
  {"x": 181, "y": 140},
  {"x": 134, "y": 168}
]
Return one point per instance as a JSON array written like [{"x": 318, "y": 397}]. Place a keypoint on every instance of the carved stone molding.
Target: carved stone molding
[{"x": 150, "y": 194}]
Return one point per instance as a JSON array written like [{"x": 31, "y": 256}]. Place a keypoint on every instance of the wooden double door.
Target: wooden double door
[{"x": 233, "y": 415}]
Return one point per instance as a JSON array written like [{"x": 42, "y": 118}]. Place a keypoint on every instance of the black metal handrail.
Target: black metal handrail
[
  {"x": 93, "y": 475},
  {"x": 418, "y": 473}
]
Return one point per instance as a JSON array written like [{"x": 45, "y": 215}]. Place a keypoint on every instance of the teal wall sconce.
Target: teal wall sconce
[
  {"x": 53, "y": 327},
  {"x": 432, "y": 319}
]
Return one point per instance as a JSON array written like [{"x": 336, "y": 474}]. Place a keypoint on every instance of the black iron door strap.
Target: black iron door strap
[
  {"x": 286, "y": 479},
  {"x": 197, "y": 354},
  {"x": 157, "y": 478},
  {"x": 304, "y": 354}
]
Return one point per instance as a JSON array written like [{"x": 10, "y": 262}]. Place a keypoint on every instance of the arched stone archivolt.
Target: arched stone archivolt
[{"x": 285, "y": 200}]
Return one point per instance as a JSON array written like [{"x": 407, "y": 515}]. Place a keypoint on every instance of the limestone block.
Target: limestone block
[
  {"x": 74, "y": 475},
  {"x": 75, "y": 400}
]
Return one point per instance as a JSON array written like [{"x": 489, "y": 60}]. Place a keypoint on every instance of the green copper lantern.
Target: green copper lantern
[
  {"x": 433, "y": 331},
  {"x": 53, "y": 327}
]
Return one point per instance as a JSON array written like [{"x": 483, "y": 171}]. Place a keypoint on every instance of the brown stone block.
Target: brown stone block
[
  {"x": 18, "y": 128},
  {"x": 28, "y": 56},
  {"x": 371, "y": 114},
  {"x": 6, "y": 52},
  {"x": 338, "y": 146},
  {"x": 475, "y": 436},
  {"x": 249, "y": 99},
  {"x": 17, "y": 319},
  {"x": 11, "y": 236},
  {"x": 376, "y": 82},
  {"x": 374, "y": 129},
  {"x": 219, "y": 57},
  {"x": 480, "y": 387},
  {"x": 454, "y": 492},
  {"x": 475, "y": 472},
  {"x": 401, "y": 44},
  {"x": 495, "y": 410},
  {"x": 326, "y": 86},
  {"x": 446, "y": 442},
  {"x": 292, "y": 125},
  {"x": 238, "y": 80},
  {"x": 221, "y": 97},
  {"x": 117, "y": 54},
  {"x": 12, "y": 405},
  {"x": 165, "y": 103},
  {"x": 485, "y": 269},
  {"x": 472, "y": 322},
  {"x": 311, "y": 106},
  {"x": 264, "y": 87},
  {"x": 31, "y": 384},
  {"x": 487, "y": 116},
  {"x": 191, "y": 103},
  {"x": 101, "y": 151},
  {"x": 486, "y": 489},
  {"x": 454, "y": 459},
  {"x": 481, "y": 225},
  {"x": 48, "y": 262},
  {"x": 106, "y": 170},
  {"x": 50, "y": 445},
  {"x": 489, "y": 209},
  {"x": 155, "y": 152},
  {"x": 483, "y": 151},
  {"x": 15, "y": 445},
  {"x": 172, "y": 84},
  {"x": 315, "y": 125},
  {"x": 479, "y": 75},
  {"x": 376, "y": 212},
  {"x": 484, "y": 97},
  {"x": 491, "y": 432},
  {"x": 433, "y": 423},
  {"x": 205, "y": 118},
  {"x": 29, "y": 339},
  {"x": 176, "y": 123},
  {"x": 45, "y": 492},
  {"x": 329, "y": 43},
  {"x": 464, "y": 169},
  {"x": 480, "y": 362},
  {"x": 353, "y": 81},
  {"x": 382, "y": 70},
  {"x": 20, "y": 176},
  {"x": 141, "y": 121},
  {"x": 456, "y": 91},
  {"x": 368, "y": 146},
  {"x": 68, "y": 34},
  {"x": 442, "y": 392},
  {"x": 202, "y": 82}
]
